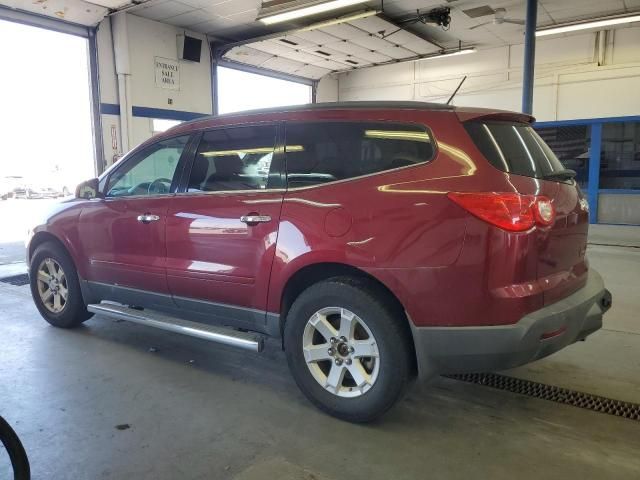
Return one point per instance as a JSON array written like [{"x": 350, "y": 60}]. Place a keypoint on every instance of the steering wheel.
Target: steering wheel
[{"x": 159, "y": 186}]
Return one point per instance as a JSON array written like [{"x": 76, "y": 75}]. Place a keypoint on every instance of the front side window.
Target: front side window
[
  {"x": 321, "y": 152},
  {"x": 149, "y": 172},
  {"x": 234, "y": 158}
]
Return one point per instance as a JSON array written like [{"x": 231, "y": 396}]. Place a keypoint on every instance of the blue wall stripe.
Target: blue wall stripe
[
  {"x": 146, "y": 112},
  {"x": 594, "y": 171},
  {"x": 594, "y": 156},
  {"x": 586, "y": 121},
  {"x": 621, "y": 191},
  {"x": 165, "y": 114},
  {"x": 110, "y": 109}
]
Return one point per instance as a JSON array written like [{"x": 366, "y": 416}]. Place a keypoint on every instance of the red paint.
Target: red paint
[
  {"x": 213, "y": 256},
  {"x": 118, "y": 249},
  {"x": 445, "y": 265},
  {"x": 337, "y": 222}
]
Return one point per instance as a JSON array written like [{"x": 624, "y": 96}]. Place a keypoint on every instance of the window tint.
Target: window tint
[
  {"x": 235, "y": 158},
  {"x": 620, "y": 155},
  {"x": 514, "y": 148},
  {"x": 571, "y": 146},
  {"x": 149, "y": 172},
  {"x": 323, "y": 152}
]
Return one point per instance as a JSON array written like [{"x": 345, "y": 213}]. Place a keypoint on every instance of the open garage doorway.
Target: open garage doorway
[
  {"x": 239, "y": 90},
  {"x": 45, "y": 126}
]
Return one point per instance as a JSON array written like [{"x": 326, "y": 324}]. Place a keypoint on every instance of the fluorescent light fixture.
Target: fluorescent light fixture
[
  {"x": 339, "y": 20},
  {"x": 602, "y": 23},
  {"x": 310, "y": 10},
  {"x": 462, "y": 51}
]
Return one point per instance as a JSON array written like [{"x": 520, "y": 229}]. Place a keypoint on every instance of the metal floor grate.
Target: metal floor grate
[
  {"x": 555, "y": 394},
  {"x": 17, "y": 280}
]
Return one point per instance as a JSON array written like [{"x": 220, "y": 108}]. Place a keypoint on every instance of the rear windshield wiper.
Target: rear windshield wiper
[{"x": 565, "y": 174}]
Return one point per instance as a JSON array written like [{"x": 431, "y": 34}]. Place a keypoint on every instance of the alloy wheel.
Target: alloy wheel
[
  {"x": 52, "y": 285},
  {"x": 341, "y": 352}
]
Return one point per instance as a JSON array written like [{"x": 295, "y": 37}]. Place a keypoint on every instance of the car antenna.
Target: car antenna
[{"x": 456, "y": 90}]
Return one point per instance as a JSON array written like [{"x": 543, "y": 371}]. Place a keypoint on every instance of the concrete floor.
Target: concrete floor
[{"x": 96, "y": 403}]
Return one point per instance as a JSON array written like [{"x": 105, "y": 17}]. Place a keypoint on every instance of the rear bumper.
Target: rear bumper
[{"x": 448, "y": 350}]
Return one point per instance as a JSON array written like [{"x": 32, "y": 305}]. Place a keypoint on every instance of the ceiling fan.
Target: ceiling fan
[{"x": 499, "y": 18}]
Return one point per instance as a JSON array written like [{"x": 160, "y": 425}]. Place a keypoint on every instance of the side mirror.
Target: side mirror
[{"x": 88, "y": 190}]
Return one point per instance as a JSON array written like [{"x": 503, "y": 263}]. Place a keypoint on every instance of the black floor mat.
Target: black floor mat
[{"x": 17, "y": 280}]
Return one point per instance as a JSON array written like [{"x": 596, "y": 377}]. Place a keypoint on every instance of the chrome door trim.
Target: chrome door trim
[
  {"x": 148, "y": 218},
  {"x": 253, "y": 219}
]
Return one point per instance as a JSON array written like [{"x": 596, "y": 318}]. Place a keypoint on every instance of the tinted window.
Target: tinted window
[
  {"x": 620, "y": 155},
  {"x": 236, "y": 158},
  {"x": 571, "y": 146},
  {"x": 328, "y": 151},
  {"x": 149, "y": 172},
  {"x": 514, "y": 148}
]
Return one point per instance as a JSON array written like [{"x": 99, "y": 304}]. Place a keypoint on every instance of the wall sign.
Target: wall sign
[{"x": 167, "y": 73}]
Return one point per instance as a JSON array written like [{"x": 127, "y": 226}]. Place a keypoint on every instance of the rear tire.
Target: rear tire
[
  {"x": 55, "y": 287},
  {"x": 339, "y": 378}
]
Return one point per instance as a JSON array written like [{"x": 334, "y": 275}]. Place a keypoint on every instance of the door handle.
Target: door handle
[
  {"x": 148, "y": 218},
  {"x": 255, "y": 219}
]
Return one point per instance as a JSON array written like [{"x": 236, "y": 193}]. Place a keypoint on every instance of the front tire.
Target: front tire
[
  {"x": 347, "y": 350},
  {"x": 55, "y": 287}
]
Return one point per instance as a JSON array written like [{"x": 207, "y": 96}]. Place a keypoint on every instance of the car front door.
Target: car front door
[
  {"x": 222, "y": 228},
  {"x": 123, "y": 234}
]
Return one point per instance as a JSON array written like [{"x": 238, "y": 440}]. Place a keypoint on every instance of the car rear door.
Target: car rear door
[
  {"x": 223, "y": 226},
  {"x": 123, "y": 234},
  {"x": 533, "y": 169}
]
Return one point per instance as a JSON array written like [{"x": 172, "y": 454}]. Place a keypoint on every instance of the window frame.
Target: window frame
[
  {"x": 434, "y": 154},
  {"x": 277, "y": 163},
  {"x": 485, "y": 122},
  {"x": 605, "y": 174},
  {"x": 134, "y": 154}
]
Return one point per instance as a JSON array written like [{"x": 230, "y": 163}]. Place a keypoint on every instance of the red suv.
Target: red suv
[{"x": 379, "y": 241}]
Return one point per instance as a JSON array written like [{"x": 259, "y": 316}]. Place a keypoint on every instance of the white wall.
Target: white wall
[
  {"x": 108, "y": 92},
  {"x": 569, "y": 83},
  {"x": 148, "y": 39},
  {"x": 327, "y": 89}
]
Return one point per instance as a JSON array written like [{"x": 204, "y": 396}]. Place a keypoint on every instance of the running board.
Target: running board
[{"x": 226, "y": 336}]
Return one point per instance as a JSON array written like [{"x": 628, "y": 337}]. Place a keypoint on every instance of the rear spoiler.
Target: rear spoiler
[{"x": 471, "y": 114}]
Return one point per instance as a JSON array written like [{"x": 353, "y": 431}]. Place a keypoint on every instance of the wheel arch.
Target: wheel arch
[
  {"x": 317, "y": 272},
  {"x": 42, "y": 237}
]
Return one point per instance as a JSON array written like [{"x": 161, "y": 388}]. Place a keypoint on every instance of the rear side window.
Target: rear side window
[
  {"x": 234, "y": 158},
  {"x": 514, "y": 148},
  {"x": 322, "y": 152}
]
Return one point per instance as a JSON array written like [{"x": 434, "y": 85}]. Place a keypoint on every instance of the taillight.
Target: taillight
[
  {"x": 510, "y": 211},
  {"x": 545, "y": 212}
]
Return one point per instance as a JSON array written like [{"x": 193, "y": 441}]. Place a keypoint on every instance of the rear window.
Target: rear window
[
  {"x": 322, "y": 152},
  {"x": 514, "y": 148}
]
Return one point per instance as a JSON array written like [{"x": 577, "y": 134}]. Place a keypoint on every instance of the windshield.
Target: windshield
[{"x": 514, "y": 148}]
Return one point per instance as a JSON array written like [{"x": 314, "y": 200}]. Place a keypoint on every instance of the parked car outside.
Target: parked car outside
[
  {"x": 388, "y": 241},
  {"x": 41, "y": 188},
  {"x": 36, "y": 191},
  {"x": 6, "y": 191},
  {"x": 8, "y": 183}
]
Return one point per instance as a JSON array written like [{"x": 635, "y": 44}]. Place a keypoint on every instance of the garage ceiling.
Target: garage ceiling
[
  {"x": 235, "y": 20},
  {"x": 358, "y": 43}
]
